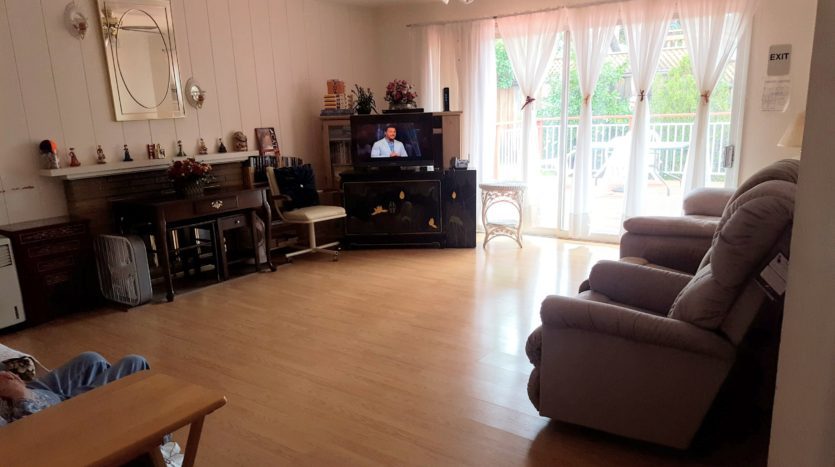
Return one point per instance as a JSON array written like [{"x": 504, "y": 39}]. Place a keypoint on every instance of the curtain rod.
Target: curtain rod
[{"x": 508, "y": 15}]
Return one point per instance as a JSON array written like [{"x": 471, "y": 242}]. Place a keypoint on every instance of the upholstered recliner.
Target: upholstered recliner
[
  {"x": 643, "y": 351},
  {"x": 680, "y": 242},
  {"x": 677, "y": 242}
]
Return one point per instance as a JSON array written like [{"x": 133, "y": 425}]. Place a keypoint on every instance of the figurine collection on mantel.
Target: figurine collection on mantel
[{"x": 50, "y": 158}]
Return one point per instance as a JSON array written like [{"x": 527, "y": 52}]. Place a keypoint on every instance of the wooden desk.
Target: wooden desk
[
  {"x": 111, "y": 425},
  {"x": 168, "y": 212}
]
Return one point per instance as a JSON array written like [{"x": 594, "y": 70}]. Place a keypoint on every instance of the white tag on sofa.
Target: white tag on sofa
[{"x": 775, "y": 275}]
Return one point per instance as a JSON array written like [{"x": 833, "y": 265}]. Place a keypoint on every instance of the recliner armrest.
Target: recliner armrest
[
  {"x": 600, "y": 318},
  {"x": 640, "y": 286},
  {"x": 678, "y": 226}
]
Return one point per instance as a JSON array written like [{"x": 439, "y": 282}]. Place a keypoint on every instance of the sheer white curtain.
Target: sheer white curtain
[
  {"x": 428, "y": 50},
  {"x": 530, "y": 41},
  {"x": 646, "y": 23},
  {"x": 591, "y": 30},
  {"x": 476, "y": 71},
  {"x": 462, "y": 56},
  {"x": 712, "y": 29}
]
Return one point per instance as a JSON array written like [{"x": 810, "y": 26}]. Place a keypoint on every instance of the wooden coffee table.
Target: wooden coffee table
[{"x": 112, "y": 424}]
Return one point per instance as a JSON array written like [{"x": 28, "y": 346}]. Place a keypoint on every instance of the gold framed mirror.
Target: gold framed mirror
[{"x": 141, "y": 56}]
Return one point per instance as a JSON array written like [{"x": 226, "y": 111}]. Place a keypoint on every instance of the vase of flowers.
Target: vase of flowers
[
  {"x": 189, "y": 177},
  {"x": 363, "y": 100},
  {"x": 401, "y": 95}
]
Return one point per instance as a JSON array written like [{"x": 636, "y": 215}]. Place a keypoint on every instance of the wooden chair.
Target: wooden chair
[{"x": 309, "y": 216}]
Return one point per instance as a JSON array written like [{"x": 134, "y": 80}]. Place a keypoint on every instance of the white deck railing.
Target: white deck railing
[{"x": 672, "y": 132}]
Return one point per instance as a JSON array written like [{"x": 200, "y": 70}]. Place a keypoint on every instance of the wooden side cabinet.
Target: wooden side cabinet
[
  {"x": 459, "y": 205},
  {"x": 336, "y": 149},
  {"x": 54, "y": 266}
]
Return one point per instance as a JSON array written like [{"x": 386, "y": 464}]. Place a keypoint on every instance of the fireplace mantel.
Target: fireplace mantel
[{"x": 140, "y": 165}]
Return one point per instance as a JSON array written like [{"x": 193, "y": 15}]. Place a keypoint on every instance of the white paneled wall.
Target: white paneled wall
[{"x": 262, "y": 62}]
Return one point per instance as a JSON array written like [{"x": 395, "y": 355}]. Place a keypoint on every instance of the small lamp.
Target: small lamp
[{"x": 793, "y": 137}]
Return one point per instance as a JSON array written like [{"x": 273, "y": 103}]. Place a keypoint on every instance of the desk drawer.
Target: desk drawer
[
  {"x": 54, "y": 264},
  {"x": 53, "y": 233},
  {"x": 232, "y": 222},
  {"x": 49, "y": 249},
  {"x": 214, "y": 205}
]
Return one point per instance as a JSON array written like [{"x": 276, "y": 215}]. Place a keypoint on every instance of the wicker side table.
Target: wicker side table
[{"x": 512, "y": 193}]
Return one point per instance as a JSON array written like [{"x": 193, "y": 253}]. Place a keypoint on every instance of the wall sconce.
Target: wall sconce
[
  {"x": 76, "y": 21},
  {"x": 195, "y": 95}
]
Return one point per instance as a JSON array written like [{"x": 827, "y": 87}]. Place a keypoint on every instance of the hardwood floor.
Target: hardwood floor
[{"x": 395, "y": 357}]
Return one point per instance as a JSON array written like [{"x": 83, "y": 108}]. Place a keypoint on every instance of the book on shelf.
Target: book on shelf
[{"x": 340, "y": 153}]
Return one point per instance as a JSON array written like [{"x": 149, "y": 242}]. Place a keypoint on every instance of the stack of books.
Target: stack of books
[
  {"x": 336, "y": 102},
  {"x": 336, "y": 86}
]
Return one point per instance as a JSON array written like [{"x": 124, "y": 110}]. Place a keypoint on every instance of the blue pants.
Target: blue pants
[{"x": 85, "y": 372}]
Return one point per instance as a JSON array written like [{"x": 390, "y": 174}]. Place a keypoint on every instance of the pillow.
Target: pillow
[
  {"x": 299, "y": 184},
  {"x": 24, "y": 367},
  {"x": 17, "y": 362}
]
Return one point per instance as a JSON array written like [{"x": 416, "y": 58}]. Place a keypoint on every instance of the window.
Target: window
[{"x": 673, "y": 99}]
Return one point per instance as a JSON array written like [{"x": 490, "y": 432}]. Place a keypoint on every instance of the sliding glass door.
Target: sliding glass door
[{"x": 673, "y": 101}]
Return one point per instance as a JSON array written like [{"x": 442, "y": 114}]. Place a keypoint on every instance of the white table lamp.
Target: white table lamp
[{"x": 793, "y": 137}]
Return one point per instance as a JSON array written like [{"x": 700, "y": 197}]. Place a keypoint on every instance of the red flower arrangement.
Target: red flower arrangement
[
  {"x": 400, "y": 92},
  {"x": 189, "y": 171}
]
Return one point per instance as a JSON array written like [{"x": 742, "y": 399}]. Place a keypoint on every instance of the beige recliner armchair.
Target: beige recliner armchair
[
  {"x": 677, "y": 242},
  {"x": 643, "y": 351},
  {"x": 680, "y": 242}
]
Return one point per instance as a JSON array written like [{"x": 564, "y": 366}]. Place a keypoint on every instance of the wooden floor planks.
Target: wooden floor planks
[{"x": 387, "y": 357}]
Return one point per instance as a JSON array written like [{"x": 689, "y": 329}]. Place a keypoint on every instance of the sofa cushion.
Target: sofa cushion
[{"x": 315, "y": 213}]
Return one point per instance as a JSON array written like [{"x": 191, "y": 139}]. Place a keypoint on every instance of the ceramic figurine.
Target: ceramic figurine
[
  {"x": 240, "y": 141},
  {"x": 100, "y": 157},
  {"x": 180, "y": 152},
  {"x": 220, "y": 147},
  {"x": 201, "y": 147},
  {"x": 54, "y": 162},
  {"x": 49, "y": 154},
  {"x": 152, "y": 151},
  {"x": 127, "y": 155},
  {"x": 160, "y": 152},
  {"x": 74, "y": 162}
]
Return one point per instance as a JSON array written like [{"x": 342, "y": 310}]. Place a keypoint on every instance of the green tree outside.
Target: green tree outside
[{"x": 674, "y": 92}]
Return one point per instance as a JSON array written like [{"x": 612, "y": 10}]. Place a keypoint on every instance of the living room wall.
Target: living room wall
[
  {"x": 776, "y": 22},
  {"x": 264, "y": 63}
]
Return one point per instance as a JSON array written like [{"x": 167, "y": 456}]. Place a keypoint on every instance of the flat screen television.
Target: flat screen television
[{"x": 392, "y": 140}]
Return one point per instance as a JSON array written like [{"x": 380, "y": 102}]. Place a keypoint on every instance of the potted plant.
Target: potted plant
[
  {"x": 189, "y": 177},
  {"x": 364, "y": 100},
  {"x": 401, "y": 95}
]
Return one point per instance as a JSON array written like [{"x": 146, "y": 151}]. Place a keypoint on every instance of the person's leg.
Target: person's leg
[
  {"x": 124, "y": 367},
  {"x": 81, "y": 371}
]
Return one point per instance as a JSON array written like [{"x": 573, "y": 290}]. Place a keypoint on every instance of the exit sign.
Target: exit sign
[{"x": 779, "y": 59}]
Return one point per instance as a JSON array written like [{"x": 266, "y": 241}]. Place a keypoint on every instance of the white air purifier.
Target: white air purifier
[
  {"x": 11, "y": 301},
  {"x": 124, "y": 276}
]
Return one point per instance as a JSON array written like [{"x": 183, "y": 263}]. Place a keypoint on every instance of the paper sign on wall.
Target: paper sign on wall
[
  {"x": 776, "y": 94},
  {"x": 779, "y": 59}
]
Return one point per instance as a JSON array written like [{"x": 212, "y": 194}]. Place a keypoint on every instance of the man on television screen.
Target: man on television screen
[{"x": 388, "y": 146}]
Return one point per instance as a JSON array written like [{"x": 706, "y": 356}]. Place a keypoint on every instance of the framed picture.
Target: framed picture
[{"x": 267, "y": 142}]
